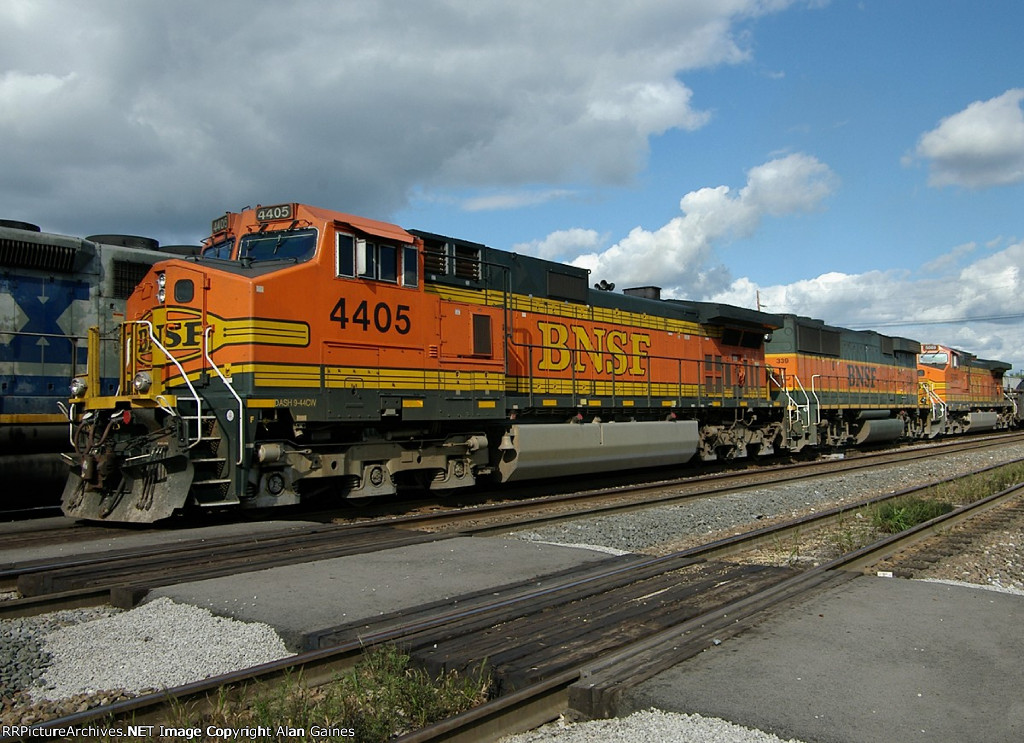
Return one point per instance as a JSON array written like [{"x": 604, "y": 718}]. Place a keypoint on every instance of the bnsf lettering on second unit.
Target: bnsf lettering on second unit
[
  {"x": 861, "y": 376},
  {"x": 606, "y": 351}
]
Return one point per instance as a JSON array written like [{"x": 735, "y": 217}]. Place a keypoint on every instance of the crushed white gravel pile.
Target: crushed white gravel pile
[
  {"x": 157, "y": 645},
  {"x": 651, "y": 726}
]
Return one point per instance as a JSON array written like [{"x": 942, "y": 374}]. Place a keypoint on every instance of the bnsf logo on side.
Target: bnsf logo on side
[
  {"x": 860, "y": 376},
  {"x": 188, "y": 335},
  {"x": 607, "y": 351},
  {"x": 181, "y": 336}
]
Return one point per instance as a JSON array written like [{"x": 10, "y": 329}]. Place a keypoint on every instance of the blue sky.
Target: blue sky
[{"x": 857, "y": 161}]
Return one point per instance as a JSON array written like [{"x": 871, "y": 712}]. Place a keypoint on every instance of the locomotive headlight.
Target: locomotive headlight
[
  {"x": 161, "y": 287},
  {"x": 142, "y": 382},
  {"x": 78, "y": 387}
]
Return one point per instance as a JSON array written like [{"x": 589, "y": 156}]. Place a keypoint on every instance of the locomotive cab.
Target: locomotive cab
[
  {"x": 964, "y": 393},
  {"x": 297, "y": 354}
]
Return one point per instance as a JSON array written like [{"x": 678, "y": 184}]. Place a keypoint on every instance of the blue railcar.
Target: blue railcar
[{"x": 52, "y": 289}]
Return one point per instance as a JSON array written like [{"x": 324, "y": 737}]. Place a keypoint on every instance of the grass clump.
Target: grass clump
[
  {"x": 382, "y": 697},
  {"x": 976, "y": 487},
  {"x": 904, "y": 513}
]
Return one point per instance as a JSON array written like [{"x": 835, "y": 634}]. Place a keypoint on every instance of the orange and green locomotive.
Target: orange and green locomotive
[
  {"x": 962, "y": 393},
  {"x": 843, "y": 387},
  {"x": 308, "y": 352}
]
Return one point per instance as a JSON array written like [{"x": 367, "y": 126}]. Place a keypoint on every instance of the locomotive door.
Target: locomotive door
[
  {"x": 469, "y": 355},
  {"x": 185, "y": 322}
]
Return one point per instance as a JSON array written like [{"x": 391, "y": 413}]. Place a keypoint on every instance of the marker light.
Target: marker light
[{"x": 78, "y": 387}]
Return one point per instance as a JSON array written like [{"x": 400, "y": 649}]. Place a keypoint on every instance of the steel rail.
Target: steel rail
[
  {"x": 125, "y": 592},
  {"x": 637, "y": 661},
  {"x": 602, "y": 682}
]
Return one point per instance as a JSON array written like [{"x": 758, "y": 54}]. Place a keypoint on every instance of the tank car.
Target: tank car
[
  {"x": 52, "y": 289},
  {"x": 309, "y": 352}
]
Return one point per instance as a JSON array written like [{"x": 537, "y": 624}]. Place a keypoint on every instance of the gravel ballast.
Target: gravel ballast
[
  {"x": 154, "y": 646},
  {"x": 667, "y": 528},
  {"x": 67, "y": 654},
  {"x": 22, "y": 640}
]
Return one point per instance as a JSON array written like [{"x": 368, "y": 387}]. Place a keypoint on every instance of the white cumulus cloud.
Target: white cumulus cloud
[
  {"x": 146, "y": 116},
  {"x": 979, "y": 147},
  {"x": 679, "y": 256},
  {"x": 563, "y": 245},
  {"x": 974, "y": 308}
]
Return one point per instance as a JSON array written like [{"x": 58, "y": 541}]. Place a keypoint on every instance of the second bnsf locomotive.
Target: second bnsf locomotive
[
  {"x": 846, "y": 387},
  {"x": 309, "y": 352}
]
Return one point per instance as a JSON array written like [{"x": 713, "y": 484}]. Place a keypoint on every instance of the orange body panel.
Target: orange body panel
[
  {"x": 303, "y": 321},
  {"x": 957, "y": 380},
  {"x": 841, "y": 382},
  {"x": 553, "y": 353}
]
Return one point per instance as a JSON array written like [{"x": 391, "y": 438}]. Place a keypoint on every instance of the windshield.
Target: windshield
[
  {"x": 297, "y": 245},
  {"x": 933, "y": 359},
  {"x": 220, "y": 250}
]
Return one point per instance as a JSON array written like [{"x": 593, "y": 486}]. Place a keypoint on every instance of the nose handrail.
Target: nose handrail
[
  {"x": 152, "y": 338},
  {"x": 231, "y": 389}
]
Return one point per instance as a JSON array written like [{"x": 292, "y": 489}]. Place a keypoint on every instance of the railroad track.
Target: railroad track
[
  {"x": 592, "y": 689},
  {"x": 123, "y": 577},
  {"x": 612, "y": 625}
]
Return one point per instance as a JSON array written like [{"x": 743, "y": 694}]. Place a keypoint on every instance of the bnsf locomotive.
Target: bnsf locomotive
[
  {"x": 847, "y": 387},
  {"x": 52, "y": 289},
  {"x": 311, "y": 352}
]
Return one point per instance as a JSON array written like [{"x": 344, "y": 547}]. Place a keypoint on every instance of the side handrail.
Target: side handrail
[
  {"x": 936, "y": 401},
  {"x": 792, "y": 406},
  {"x": 231, "y": 389},
  {"x": 1013, "y": 402},
  {"x": 68, "y": 411},
  {"x": 817, "y": 401},
  {"x": 806, "y": 407},
  {"x": 781, "y": 385},
  {"x": 181, "y": 369}
]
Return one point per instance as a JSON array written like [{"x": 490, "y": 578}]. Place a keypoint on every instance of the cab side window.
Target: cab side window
[
  {"x": 359, "y": 257},
  {"x": 346, "y": 255}
]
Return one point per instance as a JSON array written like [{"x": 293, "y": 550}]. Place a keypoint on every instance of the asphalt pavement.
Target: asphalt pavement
[{"x": 876, "y": 660}]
